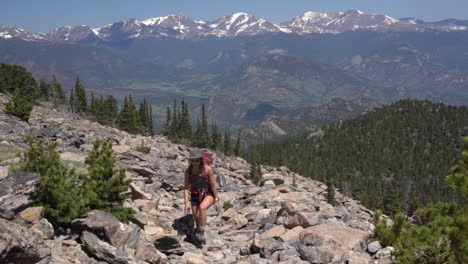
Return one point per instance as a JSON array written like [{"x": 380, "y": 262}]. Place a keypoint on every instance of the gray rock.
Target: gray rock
[
  {"x": 168, "y": 245},
  {"x": 20, "y": 245},
  {"x": 354, "y": 257},
  {"x": 48, "y": 132},
  {"x": 276, "y": 179},
  {"x": 43, "y": 228},
  {"x": 145, "y": 251},
  {"x": 107, "y": 227},
  {"x": 104, "y": 251},
  {"x": 270, "y": 246},
  {"x": 15, "y": 203},
  {"x": 288, "y": 254},
  {"x": 7, "y": 214},
  {"x": 314, "y": 254},
  {"x": 16, "y": 181},
  {"x": 374, "y": 247},
  {"x": 292, "y": 215},
  {"x": 385, "y": 253}
]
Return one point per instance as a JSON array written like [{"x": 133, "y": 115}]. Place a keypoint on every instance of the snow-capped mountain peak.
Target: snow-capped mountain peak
[
  {"x": 8, "y": 32},
  {"x": 237, "y": 24}
]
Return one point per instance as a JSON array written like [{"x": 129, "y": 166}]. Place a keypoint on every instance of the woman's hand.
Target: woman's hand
[
  {"x": 187, "y": 208},
  {"x": 218, "y": 207}
]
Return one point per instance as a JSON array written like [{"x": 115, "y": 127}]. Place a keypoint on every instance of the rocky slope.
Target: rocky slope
[{"x": 274, "y": 222}]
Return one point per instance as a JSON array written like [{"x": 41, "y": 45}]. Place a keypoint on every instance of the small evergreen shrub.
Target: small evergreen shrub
[
  {"x": 65, "y": 194},
  {"x": 143, "y": 149},
  {"x": 104, "y": 184},
  {"x": 57, "y": 190},
  {"x": 331, "y": 199},
  {"x": 227, "y": 205},
  {"x": 264, "y": 203},
  {"x": 171, "y": 156},
  {"x": 19, "y": 106}
]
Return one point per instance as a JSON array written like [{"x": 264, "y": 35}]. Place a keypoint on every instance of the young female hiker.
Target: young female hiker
[{"x": 200, "y": 191}]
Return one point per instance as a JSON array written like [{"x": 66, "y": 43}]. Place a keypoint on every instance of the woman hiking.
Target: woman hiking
[{"x": 200, "y": 191}]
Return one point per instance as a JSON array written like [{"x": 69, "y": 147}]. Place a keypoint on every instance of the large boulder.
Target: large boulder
[
  {"x": 266, "y": 247},
  {"x": 107, "y": 227},
  {"x": 43, "y": 228},
  {"x": 104, "y": 251},
  {"x": 19, "y": 180},
  {"x": 275, "y": 179},
  {"x": 292, "y": 215},
  {"x": 15, "y": 203},
  {"x": 146, "y": 251},
  {"x": 168, "y": 245},
  {"x": 315, "y": 254},
  {"x": 20, "y": 245},
  {"x": 338, "y": 239}
]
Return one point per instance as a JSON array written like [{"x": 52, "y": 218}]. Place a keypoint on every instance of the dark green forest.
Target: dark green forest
[{"x": 393, "y": 158}]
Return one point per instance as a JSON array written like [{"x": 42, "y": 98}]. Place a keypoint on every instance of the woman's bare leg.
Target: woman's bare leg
[
  {"x": 196, "y": 215},
  {"x": 206, "y": 203}
]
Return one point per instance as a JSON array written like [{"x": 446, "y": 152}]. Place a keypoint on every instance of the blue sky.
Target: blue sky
[{"x": 44, "y": 15}]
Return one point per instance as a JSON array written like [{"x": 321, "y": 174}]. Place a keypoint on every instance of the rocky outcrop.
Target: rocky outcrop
[
  {"x": 275, "y": 222},
  {"x": 20, "y": 245}
]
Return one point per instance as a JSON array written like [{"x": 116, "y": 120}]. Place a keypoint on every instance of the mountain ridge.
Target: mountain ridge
[{"x": 237, "y": 24}]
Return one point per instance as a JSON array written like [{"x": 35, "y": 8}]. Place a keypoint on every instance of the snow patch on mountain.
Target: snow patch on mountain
[{"x": 237, "y": 24}]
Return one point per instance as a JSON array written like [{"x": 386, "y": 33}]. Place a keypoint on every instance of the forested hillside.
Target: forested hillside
[{"x": 395, "y": 157}]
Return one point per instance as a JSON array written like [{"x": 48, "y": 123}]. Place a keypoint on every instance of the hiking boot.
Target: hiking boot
[{"x": 200, "y": 235}]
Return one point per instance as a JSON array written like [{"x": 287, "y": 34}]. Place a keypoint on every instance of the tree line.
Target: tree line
[
  {"x": 26, "y": 92},
  {"x": 392, "y": 158},
  {"x": 436, "y": 233},
  {"x": 105, "y": 110},
  {"x": 178, "y": 127}
]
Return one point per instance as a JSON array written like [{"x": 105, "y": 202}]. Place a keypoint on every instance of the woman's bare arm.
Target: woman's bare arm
[
  {"x": 187, "y": 188},
  {"x": 212, "y": 181}
]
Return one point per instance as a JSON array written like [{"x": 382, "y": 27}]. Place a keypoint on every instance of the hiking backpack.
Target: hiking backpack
[{"x": 220, "y": 180}]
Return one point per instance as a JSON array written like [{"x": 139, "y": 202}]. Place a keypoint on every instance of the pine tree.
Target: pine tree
[
  {"x": 391, "y": 202},
  {"x": 44, "y": 90},
  {"x": 110, "y": 111},
  {"x": 57, "y": 190},
  {"x": 150, "y": 124},
  {"x": 227, "y": 143},
  {"x": 106, "y": 182},
  {"x": 186, "y": 127},
  {"x": 128, "y": 118},
  {"x": 71, "y": 101},
  {"x": 167, "y": 125},
  {"x": 80, "y": 103},
  {"x": 58, "y": 94},
  {"x": 216, "y": 140},
  {"x": 146, "y": 118},
  {"x": 13, "y": 77},
  {"x": 94, "y": 110},
  {"x": 175, "y": 122},
  {"x": 255, "y": 170},
  {"x": 237, "y": 148},
  {"x": 19, "y": 106},
  {"x": 458, "y": 181},
  {"x": 204, "y": 134},
  {"x": 331, "y": 193}
]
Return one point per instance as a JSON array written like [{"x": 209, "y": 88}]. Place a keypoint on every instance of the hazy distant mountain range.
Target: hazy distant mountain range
[
  {"x": 245, "y": 68},
  {"x": 238, "y": 24}
]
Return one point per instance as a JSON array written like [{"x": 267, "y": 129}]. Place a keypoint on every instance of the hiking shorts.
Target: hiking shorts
[{"x": 194, "y": 198}]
